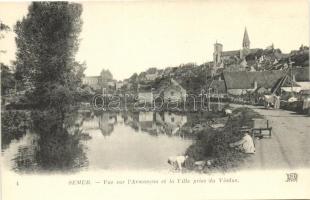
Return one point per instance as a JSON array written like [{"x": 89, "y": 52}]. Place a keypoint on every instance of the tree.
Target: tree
[
  {"x": 133, "y": 78},
  {"x": 7, "y": 79},
  {"x": 3, "y": 28},
  {"x": 106, "y": 75},
  {"x": 47, "y": 41}
]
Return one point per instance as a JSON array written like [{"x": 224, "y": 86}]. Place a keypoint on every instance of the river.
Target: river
[{"x": 108, "y": 141}]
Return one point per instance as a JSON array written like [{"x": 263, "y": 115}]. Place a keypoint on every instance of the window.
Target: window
[
  {"x": 172, "y": 93},
  {"x": 172, "y": 119}
]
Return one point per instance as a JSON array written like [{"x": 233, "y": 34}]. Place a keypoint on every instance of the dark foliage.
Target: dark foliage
[
  {"x": 47, "y": 41},
  {"x": 213, "y": 145}
]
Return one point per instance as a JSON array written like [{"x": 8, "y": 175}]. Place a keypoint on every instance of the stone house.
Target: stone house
[{"x": 167, "y": 89}]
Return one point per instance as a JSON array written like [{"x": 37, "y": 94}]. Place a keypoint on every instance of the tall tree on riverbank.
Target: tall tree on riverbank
[
  {"x": 7, "y": 77},
  {"x": 47, "y": 41}
]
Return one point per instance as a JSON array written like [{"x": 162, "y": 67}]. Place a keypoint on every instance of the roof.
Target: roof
[
  {"x": 193, "y": 85},
  {"x": 301, "y": 74},
  {"x": 290, "y": 83},
  {"x": 231, "y": 53},
  {"x": 261, "y": 90},
  {"x": 159, "y": 85},
  {"x": 219, "y": 85},
  {"x": 171, "y": 84},
  {"x": 91, "y": 77},
  {"x": 245, "y": 79},
  {"x": 255, "y": 50}
]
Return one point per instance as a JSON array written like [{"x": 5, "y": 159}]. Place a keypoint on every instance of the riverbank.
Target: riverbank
[{"x": 211, "y": 148}]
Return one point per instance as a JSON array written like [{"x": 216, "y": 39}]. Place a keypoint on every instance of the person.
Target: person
[
  {"x": 177, "y": 161},
  {"x": 246, "y": 144}
]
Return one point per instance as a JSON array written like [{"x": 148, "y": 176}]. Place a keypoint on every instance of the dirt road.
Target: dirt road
[{"x": 289, "y": 146}]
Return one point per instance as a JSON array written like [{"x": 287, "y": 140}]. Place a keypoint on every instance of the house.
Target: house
[
  {"x": 145, "y": 97},
  {"x": 151, "y": 76},
  {"x": 216, "y": 88},
  {"x": 166, "y": 89},
  {"x": 110, "y": 83},
  {"x": 92, "y": 81},
  {"x": 103, "y": 82},
  {"x": 145, "y": 93},
  {"x": 302, "y": 77},
  {"x": 118, "y": 85},
  {"x": 238, "y": 83},
  {"x": 173, "y": 92}
]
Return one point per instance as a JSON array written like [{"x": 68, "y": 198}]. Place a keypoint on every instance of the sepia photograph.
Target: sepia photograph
[{"x": 166, "y": 99}]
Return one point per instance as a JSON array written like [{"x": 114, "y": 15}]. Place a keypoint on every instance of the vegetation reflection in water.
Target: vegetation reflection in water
[{"x": 49, "y": 145}]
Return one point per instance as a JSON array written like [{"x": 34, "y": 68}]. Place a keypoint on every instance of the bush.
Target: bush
[
  {"x": 13, "y": 126},
  {"x": 213, "y": 145}
]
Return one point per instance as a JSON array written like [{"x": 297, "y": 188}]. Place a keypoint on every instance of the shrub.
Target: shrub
[
  {"x": 214, "y": 144},
  {"x": 13, "y": 126}
]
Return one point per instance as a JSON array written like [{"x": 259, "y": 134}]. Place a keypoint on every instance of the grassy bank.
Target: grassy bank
[{"x": 213, "y": 144}]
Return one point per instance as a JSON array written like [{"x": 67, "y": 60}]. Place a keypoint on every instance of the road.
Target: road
[{"x": 289, "y": 146}]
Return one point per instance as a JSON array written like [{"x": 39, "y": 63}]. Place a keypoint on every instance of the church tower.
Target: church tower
[
  {"x": 218, "y": 48},
  {"x": 246, "y": 40},
  {"x": 217, "y": 57}
]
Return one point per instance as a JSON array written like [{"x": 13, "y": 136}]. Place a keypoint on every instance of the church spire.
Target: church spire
[{"x": 246, "y": 40}]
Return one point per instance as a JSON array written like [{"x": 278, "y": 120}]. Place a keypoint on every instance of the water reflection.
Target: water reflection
[
  {"x": 49, "y": 145},
  {"x": 103, "y": 121},
  {"x": 104, "y": 140},
  {"x": 136, "y": 140},
  {"x": 13, "y": 126},
  {"x": 153, "y": 123}
]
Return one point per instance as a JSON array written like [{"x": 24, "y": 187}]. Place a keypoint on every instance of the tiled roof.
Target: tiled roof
[
  {"x": 231, "y": 53},
  {"x": 245, "y": 79},
  {"x": 301, "y": 74}
]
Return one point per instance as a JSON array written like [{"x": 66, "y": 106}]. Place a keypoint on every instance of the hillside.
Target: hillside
[{"x": 193, "y": 77}]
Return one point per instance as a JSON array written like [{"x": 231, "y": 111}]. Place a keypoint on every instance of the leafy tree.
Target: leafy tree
[
  {"x": 106, "y": 75},
  {"x": 47, "y": 41},
  {"x": 7, "y": 79},
  {"x": 133, "y": 78},
  {"x": 3, "y": 28}
]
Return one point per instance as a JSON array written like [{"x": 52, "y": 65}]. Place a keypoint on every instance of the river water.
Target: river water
[{"x": 109, "y": 141}]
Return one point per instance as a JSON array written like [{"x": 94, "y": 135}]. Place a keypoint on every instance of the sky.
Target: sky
[{"x": 132, "y": 36}]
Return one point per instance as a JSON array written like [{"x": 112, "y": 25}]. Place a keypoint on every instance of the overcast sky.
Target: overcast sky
[{"x": 129, "y": 37}]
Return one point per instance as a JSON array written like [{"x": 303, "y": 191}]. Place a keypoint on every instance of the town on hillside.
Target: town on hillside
[
  {"x": 242, "y": 76},
  {"x": 245, "y": 109}
]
